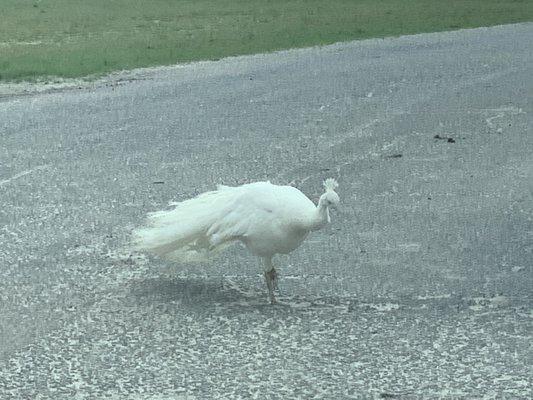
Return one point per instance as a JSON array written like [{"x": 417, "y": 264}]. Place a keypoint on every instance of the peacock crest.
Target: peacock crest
[{"x": 330, "y": 184}]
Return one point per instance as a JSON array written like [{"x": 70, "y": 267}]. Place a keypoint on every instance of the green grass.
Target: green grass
[{"x": 75, "y": 38}]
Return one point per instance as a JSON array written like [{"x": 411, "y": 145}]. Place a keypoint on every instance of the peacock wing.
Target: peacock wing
[{"x": 254, "y": 209}]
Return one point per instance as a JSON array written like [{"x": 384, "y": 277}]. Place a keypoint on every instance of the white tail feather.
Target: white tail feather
[{"x": 181, "y": 234}]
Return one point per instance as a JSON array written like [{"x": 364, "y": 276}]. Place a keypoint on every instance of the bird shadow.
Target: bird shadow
[
  {"x": 187, "y": 291},
  {"x": 202, "y": 292}
]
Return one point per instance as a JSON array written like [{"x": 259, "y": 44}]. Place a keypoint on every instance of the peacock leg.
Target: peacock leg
[
  {"x": 270, "y": 277},
  {"x": 274, "y": 275}
]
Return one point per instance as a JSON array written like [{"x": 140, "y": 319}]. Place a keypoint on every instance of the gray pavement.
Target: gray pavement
[{"x": 420, "y": 287}]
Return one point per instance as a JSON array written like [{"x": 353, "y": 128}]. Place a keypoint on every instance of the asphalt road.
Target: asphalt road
[{"x": 419, "y": 288}]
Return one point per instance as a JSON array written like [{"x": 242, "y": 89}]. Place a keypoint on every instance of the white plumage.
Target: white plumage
[{"x": 269, "y": 219}]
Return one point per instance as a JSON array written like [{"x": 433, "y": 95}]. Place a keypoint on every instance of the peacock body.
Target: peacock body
[{"x": 269, "y": 219}]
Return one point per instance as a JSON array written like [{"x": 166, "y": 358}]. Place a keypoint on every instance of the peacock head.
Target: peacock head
[{"x": 330, "y": 198}]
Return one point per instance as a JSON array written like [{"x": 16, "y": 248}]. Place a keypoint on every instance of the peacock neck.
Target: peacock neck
[{"x": 321, "y": 215}]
